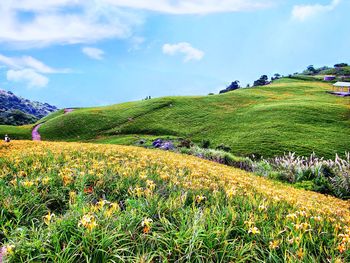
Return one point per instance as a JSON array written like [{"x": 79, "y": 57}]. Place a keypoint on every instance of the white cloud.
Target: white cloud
[
  {"x": 27, "y": 69},
  {"x": 28, "y": 76},
  {"x": 185, "y": 48},
  {"x": 93, "y": 53},
  {"x": 192, "y": 6},
  {"x": 29, "y": 62},
  {"x": 54, "y": 22},
  {"x": 304, "y": 12},
  {"x": 87, "y": 21}
]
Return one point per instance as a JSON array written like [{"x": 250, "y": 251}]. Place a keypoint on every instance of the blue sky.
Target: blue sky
[{"x": 99, "y": 52}]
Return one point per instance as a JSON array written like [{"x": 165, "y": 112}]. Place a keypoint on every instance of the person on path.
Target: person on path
[{"x": 7, "y": 138}]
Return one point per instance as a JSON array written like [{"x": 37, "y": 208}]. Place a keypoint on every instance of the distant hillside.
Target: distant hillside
[
  {"x": 287, "y": 115},
  {"x": 15, "y": 110},
  {"x": 339, "y": 72}
]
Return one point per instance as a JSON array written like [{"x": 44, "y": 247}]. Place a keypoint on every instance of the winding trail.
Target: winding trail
[
  {"x": 36, "y": 137},
  {"x": 68, "y": 110},
  {"x": 35, "y": 133}
]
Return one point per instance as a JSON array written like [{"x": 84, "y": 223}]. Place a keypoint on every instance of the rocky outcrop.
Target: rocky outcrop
[{"x": 15, "y": 110}]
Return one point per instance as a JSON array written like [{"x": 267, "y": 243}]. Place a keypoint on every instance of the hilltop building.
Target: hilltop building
[
  {"x": 341, "y": 89},
  {"x": 329, "y": 77}
]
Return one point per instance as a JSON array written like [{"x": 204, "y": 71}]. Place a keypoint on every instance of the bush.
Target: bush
[
  {"x": 205, "y": 144},
  {"x": 185, "y": 143},
  {"x": 223, "y": 147}
]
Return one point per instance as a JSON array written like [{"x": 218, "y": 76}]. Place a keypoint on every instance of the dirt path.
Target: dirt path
[
  {"x": 36, "y": 135},
  {"x": 68, "y": 111}
]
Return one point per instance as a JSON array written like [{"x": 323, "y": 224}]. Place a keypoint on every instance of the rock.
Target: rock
[
  {"x": 167, "y": 146},
  {"x": 157, "y": 143}
]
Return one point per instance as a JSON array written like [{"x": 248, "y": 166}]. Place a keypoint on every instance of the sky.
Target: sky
[{"x": 79, "y": 53}]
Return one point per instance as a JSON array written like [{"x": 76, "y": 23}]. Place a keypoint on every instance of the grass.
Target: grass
[
  {"x": 16, "y": 132},
  {"x": 70, "y": 202},
  {"x": 289, "y": 115}
]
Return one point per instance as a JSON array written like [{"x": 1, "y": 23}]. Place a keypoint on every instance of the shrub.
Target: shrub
[
  {"x": 187, "y": 143},
  {"x": 205, "y": 144},
  {"x": 224, "y": 148}
]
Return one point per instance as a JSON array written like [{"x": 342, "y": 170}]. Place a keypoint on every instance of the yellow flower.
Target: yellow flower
[
  {"x": 292, "y": 216},
  {"x": 27, "y": 184},
  {"x": 300, "y": 253},
  {"x": 143, "y": 175},
  {"x": 48, "y": 218},
  {"x": 112, "y": 209},
  {"x": 295, "y": 240},
  {"x": 262, "y": 207},
  {"x": 341, "y": 247},
  {"x": 316, "y": 218},
  {"x": 88, "y": 221},
  {"x": 249, "y": 222},
  {"x": 137, "y": 191},
  {"x": 9, "y": 249},
  {"x": 100, "y": 204},
  {"x": 150, "y": 185},
  {"x": 254, "y": 230},
  {"x": 274, "y": 244},
  {"x": 231, "y": 192},
  {"x": 200, "y": 198},
  {"x": 45, "y": 180},
  {"x": 72, "y": 197},
  {"x": 146, "y": 223}
]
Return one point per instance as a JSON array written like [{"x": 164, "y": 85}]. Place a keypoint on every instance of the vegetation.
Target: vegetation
[
  {"x": 341, "y": 71},
  {"x": 16, "y": 132},
  {"x": 16, "y": 117},
  {"x": 15, "y": 110},
  {"x": 233, "y": 86},
  {"x": 310, "y": 173},
  {"x": 286, "y": 116},
  {"x": 262, "y": 81},
  {"x": 69, "y": 202}
]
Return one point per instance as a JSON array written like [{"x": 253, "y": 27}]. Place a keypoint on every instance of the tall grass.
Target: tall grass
[{"x": 63, "y": 202}]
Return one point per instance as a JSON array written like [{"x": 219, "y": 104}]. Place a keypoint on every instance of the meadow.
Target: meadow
[
  {"x": 286, "y": 116},
  {"x": 73, "y": 202}
]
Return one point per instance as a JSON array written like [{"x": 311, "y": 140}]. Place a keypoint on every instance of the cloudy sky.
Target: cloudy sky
[{"x": 98, "y": 52}]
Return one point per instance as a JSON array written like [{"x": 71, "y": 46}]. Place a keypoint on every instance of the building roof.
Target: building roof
[{"x": 342, "y": 84}]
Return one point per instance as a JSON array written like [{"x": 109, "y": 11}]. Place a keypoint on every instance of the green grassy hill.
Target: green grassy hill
[{"x": 288, "y": 115}]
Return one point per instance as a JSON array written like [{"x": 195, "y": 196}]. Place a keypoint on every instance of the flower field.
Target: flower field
[{"x": 71, "y": 202}]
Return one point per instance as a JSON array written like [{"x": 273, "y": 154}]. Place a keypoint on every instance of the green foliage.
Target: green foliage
[
  {"x": 16, "y": 132},
  {"x": 288, "y": 115},
  {"x": 223, "y": 147},
  {"x": 16, "y": 117},
  {"x": 185, "y": 222},
  {"x": 205, "y": 144}
]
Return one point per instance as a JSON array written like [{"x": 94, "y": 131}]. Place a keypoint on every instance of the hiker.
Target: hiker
[{"x": 7, "y": 138}]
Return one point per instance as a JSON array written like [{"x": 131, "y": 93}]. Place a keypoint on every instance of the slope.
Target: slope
[{"x": 288, "y": 115}]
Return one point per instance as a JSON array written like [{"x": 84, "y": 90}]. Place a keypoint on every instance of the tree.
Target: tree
[
  {"x": 233, "y": 86},
  {"x": 341, "y": 65},
  {"x": 275, "y": 76},
  {"x": 262, "y": 81},
  {"x": 311, "y": 69}
]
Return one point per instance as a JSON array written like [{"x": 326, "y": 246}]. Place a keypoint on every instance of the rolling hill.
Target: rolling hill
[
  {"x": 15, "y": 110},
  {"x": 288, "y": 115}
]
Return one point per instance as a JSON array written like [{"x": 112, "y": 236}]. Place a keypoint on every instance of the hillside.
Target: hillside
[
  {"x": 15, "y": 110},
  {"x": 288, "y": 115},
  {"x": 71, "y": 202}
]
